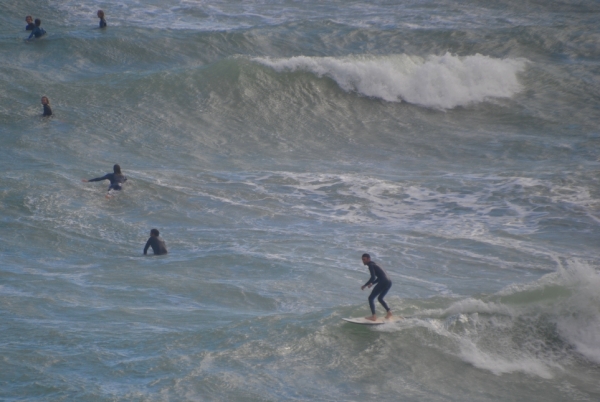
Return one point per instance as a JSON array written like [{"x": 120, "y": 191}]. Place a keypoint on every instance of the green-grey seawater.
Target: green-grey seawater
[{"x": 272, "y": 143}]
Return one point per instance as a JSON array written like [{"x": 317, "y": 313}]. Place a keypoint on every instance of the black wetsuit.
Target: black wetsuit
[
  {"x": 102, "y": 23},
  {"x": 30, "y": 26},
  {"x": 116, "y": 180},
  {"x": 37, "y": 32},
  {"x": 47, "y": 111},
  {"x": 157, "y": 244},
  {"x": 382, "y": 283}
]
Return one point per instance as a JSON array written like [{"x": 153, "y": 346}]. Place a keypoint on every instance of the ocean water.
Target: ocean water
[{"x": 272, "y": 143}]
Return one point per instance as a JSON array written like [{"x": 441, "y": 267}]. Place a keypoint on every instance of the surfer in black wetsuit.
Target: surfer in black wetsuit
[
  {"x": 116, "y": 179},
  {"x": 382, "y": 283},
  {"x": 157, "y": 244},
  {"x": 100, "y": 15},
  {"x": 37, "y": 31},
  {"x": 30, "y": 25},
  {"x": 46, "y": 104}
]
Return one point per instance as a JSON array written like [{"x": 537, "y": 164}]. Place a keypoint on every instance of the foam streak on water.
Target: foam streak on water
[{"x": 272, "y": 143}]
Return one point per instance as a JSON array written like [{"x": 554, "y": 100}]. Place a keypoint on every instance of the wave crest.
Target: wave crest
[{"x": 441, "y": 82}]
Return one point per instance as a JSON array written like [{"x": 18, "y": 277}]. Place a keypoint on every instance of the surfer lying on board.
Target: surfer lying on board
[
  {"x": 116, "y": 179},
  {"x": 157, "y": 244},
  {"x": 382, "y": 283}
]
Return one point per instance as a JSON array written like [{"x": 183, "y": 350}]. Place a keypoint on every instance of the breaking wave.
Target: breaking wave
[{"x": 440, "y": 82}]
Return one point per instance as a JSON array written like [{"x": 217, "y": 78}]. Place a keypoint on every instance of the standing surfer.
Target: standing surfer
[{"x": 382, "y": 283}]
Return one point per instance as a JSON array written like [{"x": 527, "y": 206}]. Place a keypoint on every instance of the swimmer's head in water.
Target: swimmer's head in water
[
  {"x": 29, "y": 19},
  {"x": 117, "y": 169},
  {"x": 154, "y": 232},
  {"x": 100, "y": 14},
  {"x": 38, "y": 22},
  {"x": 45, "y": 100}
]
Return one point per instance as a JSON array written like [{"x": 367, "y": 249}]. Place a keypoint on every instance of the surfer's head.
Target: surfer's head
[
  {"x": 29, "y": 19},
  {"x": 117, "y": 169},
  {"x": 366, "y": 258},
  {"x": 154, "y": 232},
  {"x": 100, "y": 14},
  {"x": 38, "y": 22},
  {"x": 45, "y": 100}
]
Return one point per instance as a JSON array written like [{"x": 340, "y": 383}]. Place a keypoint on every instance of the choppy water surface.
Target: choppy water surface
[{"x": 272, "y": 143}]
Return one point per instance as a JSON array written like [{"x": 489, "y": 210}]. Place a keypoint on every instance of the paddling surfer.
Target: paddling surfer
[
  {"x": 382, "y": 283},
  {"x": 116, "y": 179}
]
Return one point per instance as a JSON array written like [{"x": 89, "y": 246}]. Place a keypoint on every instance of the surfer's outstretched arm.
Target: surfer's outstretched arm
[{"x": 105, "y": 177}]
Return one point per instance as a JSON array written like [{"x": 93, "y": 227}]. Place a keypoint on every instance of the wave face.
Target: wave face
[
  {"x": 538, "y": 328},
  {"x": 442, "y": 82},
  {"x": 272, "y": 143}
]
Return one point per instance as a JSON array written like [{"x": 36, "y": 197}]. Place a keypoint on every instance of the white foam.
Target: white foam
[
  {"x": 477, "y": 306},
  {"x": 442, "y": 82},
  {"x": 485, "y": 343},
  {"x": 578, "y": 316},
  {"x": 498, "y": 364},
  {"x": 529, "y": 328}
]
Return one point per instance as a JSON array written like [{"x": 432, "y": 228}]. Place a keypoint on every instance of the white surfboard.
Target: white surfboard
[{"x": 364, "y": 321}]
